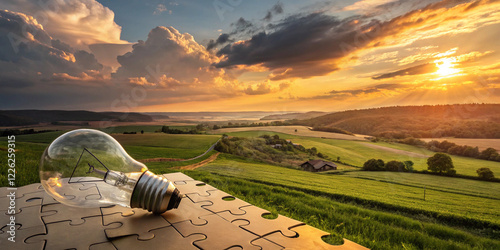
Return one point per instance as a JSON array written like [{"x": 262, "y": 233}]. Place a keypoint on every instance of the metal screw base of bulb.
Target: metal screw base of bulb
[{"x": 155, "y": 194}]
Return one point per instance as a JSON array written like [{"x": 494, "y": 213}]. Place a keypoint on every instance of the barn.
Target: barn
[{"x": 318, "y": 166}]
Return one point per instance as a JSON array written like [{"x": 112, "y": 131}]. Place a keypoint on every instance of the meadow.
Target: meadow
[
  {"x": 357, "y": 152},
  {"x": 380, "y": 210}
]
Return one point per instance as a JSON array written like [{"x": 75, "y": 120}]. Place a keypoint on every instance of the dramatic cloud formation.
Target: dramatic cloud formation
[
  {"x": 175, "y": 62},
  {"x": 306, "y": 45},
  {"x": 75, "y": 22},
  {"x": 29, "y": 54}
]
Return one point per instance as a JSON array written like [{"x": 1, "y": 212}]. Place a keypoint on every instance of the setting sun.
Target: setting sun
[{"x": 446, "y": 67}]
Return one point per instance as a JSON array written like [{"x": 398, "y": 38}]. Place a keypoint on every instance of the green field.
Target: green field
[
  {"x": 357, "y": 152},
  {"x": 380, "y": 210}
]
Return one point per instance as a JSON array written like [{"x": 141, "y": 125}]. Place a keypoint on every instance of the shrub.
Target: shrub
[{"x": 485, "y": 173}]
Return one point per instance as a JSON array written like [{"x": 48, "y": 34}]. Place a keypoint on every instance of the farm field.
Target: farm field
[
  {"x": 440, "y": 200},
  {"x": 301, "y": 131},
  {"x": 380, "y": 210},
  {"x": 357, "y": 152}
]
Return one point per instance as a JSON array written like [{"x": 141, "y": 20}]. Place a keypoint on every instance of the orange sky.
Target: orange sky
[{"x": 361, "y": 55}]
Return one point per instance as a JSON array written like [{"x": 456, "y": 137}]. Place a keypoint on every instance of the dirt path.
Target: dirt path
[
  {"x": 397, "y": 151},
  {"x": 201, "y": 163}
]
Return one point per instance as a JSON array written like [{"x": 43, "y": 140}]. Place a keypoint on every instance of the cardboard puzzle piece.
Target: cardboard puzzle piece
[
  {"x": 66, "y": 213},
  {"x": 177, "y": 176},
  {"x": 221, "y": 202},
  {"x": 194, "y": 187},
  {"x": 165, "y": 238},
  {"x": 27, "y": 217},
  {"x": 105, "y": 246},
  {"x": 62, "y": 235},
  {"x": 20, "y": 236},
  {"x": 310, "y": 238},
  {"x": 260, "y": 225},
  {"x": 84, "y": 191},
  {"x": 141, "y": 223},
  {"x": 266, "y": 244},
  {"x": 125, "y": 211},
  {"x": 188, "y": 210},
  {"x": 216, "y": 229}
]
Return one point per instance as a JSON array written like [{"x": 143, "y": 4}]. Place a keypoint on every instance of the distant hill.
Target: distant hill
[
  {"x": 291, "y": 116},
  {"x": 460, "y": 121},
  {"x": 31, "y": 117}
]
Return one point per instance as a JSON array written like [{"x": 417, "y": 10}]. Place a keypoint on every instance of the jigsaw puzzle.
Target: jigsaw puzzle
[
  {"x": 207, "y": 218},
  {"x": 221, "y": 202}
]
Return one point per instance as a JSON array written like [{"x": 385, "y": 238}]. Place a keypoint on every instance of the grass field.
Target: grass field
[
  {"x": 380, "y": 210},
  {"x": 357, "y": 152},
  {"x": 301, "y": 131},
  {"x": 369, "y": 226},
  {"x": 440, "y": 200}
]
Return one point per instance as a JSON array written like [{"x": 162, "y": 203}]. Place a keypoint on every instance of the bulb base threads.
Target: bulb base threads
[{"x": 155, "y": 194}]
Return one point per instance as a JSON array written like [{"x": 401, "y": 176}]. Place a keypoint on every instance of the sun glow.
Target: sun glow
[{"x": 446, "y": 67}]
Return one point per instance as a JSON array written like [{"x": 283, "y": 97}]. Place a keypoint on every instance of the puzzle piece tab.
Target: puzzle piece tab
[
  {"x": 194, "y": 187},
  {"x": 74, "y": 214},
  {"x": 215, "y": 230},
  {"x": 221, "y": 202},
  {"x": 309, "y": 238},
  {"x": 141, "y": 223},
  {"x": 21, "y": 235},
  {"x": 165, "y": 238},
  {"x": 188, "y": 210},
  {"x": 62, "y": 235},
  {"x": 262, "y": 226}
]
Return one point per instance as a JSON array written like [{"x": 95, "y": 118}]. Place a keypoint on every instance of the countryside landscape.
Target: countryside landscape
[
  {"x": 386, "y": 209},
  {"x": 376, "y": 121}
]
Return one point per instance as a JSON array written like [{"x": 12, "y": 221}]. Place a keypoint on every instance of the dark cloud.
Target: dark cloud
[
  {"x": 27, "y": 52},
  {"x": 415, "y": 70},
  {"x": 307, "y": 45},
  {"x": 222, "y": 39},
  {"x": 275, "y": 10},
  {"x": 291, "y": 42}
]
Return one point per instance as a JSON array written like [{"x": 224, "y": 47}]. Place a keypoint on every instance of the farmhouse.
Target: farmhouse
[{"x": 318, "y": 165}]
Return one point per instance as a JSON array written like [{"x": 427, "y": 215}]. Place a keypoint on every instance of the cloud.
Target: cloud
[
  {"x": 366, "y": 4},
  {"x": 160, "y": 8},
  {"x": 275, "y": 10},
  {"x": 175, "y": 62},
  {"x": 415, "y": 70},
  {"x": 222, "y": 39},
  {"x": 369, "y": 91},
  {"x": 266, "y": 88},
  {"x": 315, "y": 44},
  {"x": 76, "y": 22},
  {"x": 28, "y": 53}
]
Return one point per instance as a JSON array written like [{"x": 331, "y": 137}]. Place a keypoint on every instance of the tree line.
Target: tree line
[{"x": 451, "y": 148}]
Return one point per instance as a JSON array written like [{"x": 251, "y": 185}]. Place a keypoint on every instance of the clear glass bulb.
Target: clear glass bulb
[{"x": 89, "y": 168}]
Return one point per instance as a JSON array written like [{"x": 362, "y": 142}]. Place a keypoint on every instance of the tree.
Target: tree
[
  {"x": 485, "y": 173},
  {"x": 441, "y": 163},
  {"x": 395, "y": 166},
  {"x": 374, "y": 165},
  {"x": 142, "y": 132},
  {"x": 409, "y": 166},
  {"x": 488, "y": 154}
]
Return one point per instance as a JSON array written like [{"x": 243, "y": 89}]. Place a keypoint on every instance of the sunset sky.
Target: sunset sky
[{"x": 238, "y": 55}]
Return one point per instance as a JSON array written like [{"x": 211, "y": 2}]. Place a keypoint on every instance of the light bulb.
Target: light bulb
[{"x": 89, "y": 168}]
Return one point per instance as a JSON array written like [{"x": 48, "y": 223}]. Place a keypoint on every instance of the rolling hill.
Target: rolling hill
[
  {"x": 31, "y": 117},
  {"x": 461, "y": 121}
]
